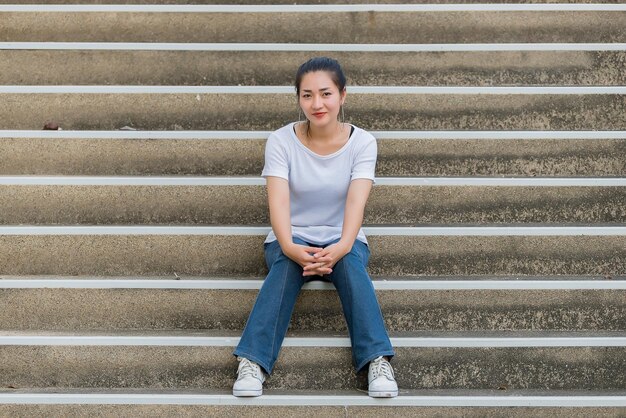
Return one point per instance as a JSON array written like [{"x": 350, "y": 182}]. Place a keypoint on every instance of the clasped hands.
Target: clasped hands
[{"x": 317, "y": 261}]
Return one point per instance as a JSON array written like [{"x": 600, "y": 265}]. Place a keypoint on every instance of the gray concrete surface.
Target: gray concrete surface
[
  {"x": 256, "y": 2},
  {"x": 247, "y": 205},
  {"x": 374, "y": 112},
  {"x": 397, "y": 157},
  {"x": 541, "y": 68},
  {"x": 391, "y": 255},
  {"x": 245, "y": 411},
  {"x": 301, "y": 368},
  {"x": 350, "y": 27},
  {"x": 320, "y": 311}
]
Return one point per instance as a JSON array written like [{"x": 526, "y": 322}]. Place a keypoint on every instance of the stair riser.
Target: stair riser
[
  {"x": 291, "y": 2},
  {"x": 121, "y": 255},
  {"x": 396, "y": 157},
  {"x": 320, "y": 368},
  {"x": 603, "y": 68},
  {"x": 246, "y": 411},
  {"x": 73, "y": 310},
  {"x": 219, "y": 205},
  {"x": 380, "y": 112},
  {"x": 351, "y": 27}
]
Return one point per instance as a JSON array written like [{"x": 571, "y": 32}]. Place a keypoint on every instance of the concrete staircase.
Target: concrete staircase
[{"x": 130, "y": 259}]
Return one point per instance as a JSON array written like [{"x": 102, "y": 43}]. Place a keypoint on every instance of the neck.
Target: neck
[{"x": 324, "y": 133}]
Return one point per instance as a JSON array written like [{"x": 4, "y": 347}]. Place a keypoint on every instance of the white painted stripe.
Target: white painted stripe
[
  {"x": 371, "y": 231},
  {"x": 504, "y": 400},
  {"x": 263, "y": 230},
  {"x": 381, "y": 135},
  {"x": 132, "y": 181},
  {"x": 499, "y": 181},
  {"x": 381, "y": 285},
  {"x": 497, "y": 231},
  {"x": 253, "y": 47},
  {"x": 309, "y": 8},
  {"x": 398, "y": 90},
  {"x": 197, "y": 341},
  {"x": 260, "y": 181}
]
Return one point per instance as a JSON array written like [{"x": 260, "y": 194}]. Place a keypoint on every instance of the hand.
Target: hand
[
  {"x": 304, "y": 256},
  {"x": 326, "y": 259}
]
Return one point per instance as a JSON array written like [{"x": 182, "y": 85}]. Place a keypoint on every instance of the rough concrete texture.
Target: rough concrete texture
[
  {"x": 492, "y": 157},
  {"x": 182, "y": 411},
  {"x": 374, "y": 112},
  {"x": 351, "y": 27},
  {"x": 222, "y": 255},
  {"x": 320, "y": 311},
  {"x": 256, "y": 2},
  {"x": 149, "y": 411},
  {"x": 301, "y": 368},
  {"x": 476, "y": 68},
  {"x": 396, "y": 157},
  {"x": 221, "y": 205}
]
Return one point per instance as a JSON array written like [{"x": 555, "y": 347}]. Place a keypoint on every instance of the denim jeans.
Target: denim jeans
[{"x": 268, "y": 322}]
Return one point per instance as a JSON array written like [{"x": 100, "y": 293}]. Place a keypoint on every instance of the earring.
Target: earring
[
  {"x": 299, "y": 114},
  {"x": 343, "y": 118}
]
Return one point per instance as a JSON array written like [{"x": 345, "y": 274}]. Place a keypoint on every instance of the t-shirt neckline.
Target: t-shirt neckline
[{"x": 313, "y": 153}]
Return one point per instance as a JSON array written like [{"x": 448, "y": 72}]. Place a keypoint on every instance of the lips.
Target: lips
[{"x": 319, "y": 114}]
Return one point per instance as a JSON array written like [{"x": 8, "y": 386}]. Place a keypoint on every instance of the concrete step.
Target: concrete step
[
  {"x": 178, "y": 65},
  {"x": 394, "y": 201},
  {"x": 451, "y": 304},
  {"x": 566, "y": 361},
  {"x": 309, "y": 2},
  {"x": 410, "y": 403},
  {"x": 414, "y": 153},
  {"x": 209, "y": 251},
  {"x": 293, "y": 24},
  {"x": 373, "y": 108}
]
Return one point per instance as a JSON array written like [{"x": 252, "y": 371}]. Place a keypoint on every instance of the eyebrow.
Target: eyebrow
[{"x": 322, "y": 89}]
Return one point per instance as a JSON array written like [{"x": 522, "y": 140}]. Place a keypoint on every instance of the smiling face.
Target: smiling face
[{"x": 320, "y": 98}]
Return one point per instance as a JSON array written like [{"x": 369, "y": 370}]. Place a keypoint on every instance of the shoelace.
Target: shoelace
[
  {"x": 382, "y": 368},
  {"x": 247, "y": 368}
]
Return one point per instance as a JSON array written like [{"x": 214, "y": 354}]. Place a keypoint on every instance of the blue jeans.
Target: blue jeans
[{"x": 267, "y": 325}]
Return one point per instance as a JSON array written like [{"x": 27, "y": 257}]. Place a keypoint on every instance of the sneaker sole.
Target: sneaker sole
[
  {"x": 384, "y": 394},
  {"x": 247, "y": 393}
]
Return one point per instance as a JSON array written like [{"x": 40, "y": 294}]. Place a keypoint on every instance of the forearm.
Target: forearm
[
  {"x": 280, "y": 220},
  {"x": 355, "y": 208},
  {"x": 280, "y": 211}
]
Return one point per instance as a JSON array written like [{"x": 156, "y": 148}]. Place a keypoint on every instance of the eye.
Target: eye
[
  {"x": 327, "y": 93},
  {"x": 306, "y": 95}
]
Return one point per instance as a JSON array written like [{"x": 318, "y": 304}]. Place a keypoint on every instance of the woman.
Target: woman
[{"x": 319, "y": 174}]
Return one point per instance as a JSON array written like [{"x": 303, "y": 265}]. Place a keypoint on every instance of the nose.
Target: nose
[{"x": 317, "y": 102}]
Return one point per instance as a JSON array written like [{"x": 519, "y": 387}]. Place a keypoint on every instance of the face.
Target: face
[{"x": 320, "y": 99}]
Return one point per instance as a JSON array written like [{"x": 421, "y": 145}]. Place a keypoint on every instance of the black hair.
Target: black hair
[{"x": 322, "y": 64}]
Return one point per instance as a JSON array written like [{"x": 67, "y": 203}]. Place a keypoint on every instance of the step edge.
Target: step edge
[
  {"x": 237, "y": 284},
  {"x": 315, "y": 400}
]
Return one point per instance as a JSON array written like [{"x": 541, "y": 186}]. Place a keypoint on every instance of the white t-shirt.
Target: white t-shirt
[{"x": 318, "y": 184}]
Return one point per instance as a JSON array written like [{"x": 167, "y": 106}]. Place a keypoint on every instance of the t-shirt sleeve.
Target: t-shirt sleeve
[
  {"x": 276, "y": 159},
  {"x": 364, "y": 166}
]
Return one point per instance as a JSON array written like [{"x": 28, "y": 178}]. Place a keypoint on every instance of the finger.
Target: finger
[
  {"x": 325, "y": 259},
  {"x": 318, "y": 272},
  {"x": 314, "y": 250},
  {"x": 314, "y": 266}
]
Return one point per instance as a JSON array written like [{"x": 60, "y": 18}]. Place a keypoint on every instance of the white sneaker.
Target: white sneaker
[
  {"x": 250, "y": 379},
  {"x": 382, "y": 383}
]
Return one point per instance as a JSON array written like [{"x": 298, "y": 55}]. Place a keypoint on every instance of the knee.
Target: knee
[
  {"x": 281, "y": 261},
  {"x": 351, "y": 262}
]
